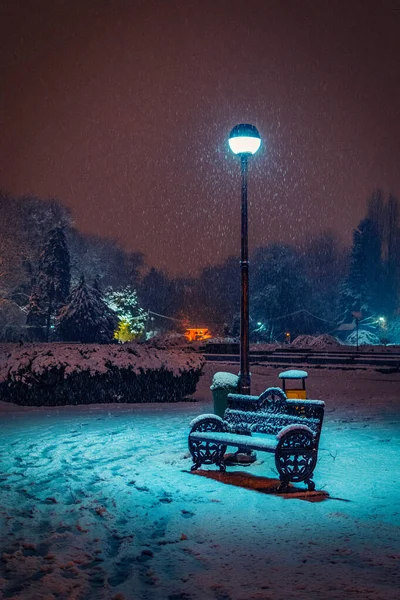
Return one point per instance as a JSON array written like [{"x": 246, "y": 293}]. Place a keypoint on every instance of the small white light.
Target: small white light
[{"x": 244, "y": 139}]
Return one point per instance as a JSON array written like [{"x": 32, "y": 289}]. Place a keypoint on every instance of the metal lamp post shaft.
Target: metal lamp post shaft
[{"x": 244, "y": 381}]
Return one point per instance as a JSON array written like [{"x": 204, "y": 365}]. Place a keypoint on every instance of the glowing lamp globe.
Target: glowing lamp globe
[{"x": 244, "y": 140}]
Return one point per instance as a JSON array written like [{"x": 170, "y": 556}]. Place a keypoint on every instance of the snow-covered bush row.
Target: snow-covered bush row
[{"x": 58, "y": 374}]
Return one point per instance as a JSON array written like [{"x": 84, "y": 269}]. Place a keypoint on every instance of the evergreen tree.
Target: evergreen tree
[
  {"x": 86, "y": 318},
  {"x": 132, "y": 318},
  {"x": 216, "y": 294},
  {"x": 373, "y": 282},
  {"x": 376, "y": 212},
  {"x": 54, "y": 274},
  {"x": 278, "y": 286},
  {"x": 102, "y": 258},
  {"x": 325, "y": 263},
  {"x": 35, "y": 319},
  {"x": 24, "y": 227},
  {"x": 154, "y": 294},
  {"x": 392, "y": 256},
  {"x": 159, "y": 294},
  {"x": 362, "y": 290}
]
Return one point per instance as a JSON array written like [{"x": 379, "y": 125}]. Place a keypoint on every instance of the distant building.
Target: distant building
[{"x": 197, "y": 334}]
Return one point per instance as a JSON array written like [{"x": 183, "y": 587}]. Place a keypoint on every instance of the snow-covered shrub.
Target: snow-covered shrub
[
  {"x": 364, "y": 337},
  {"x": 58, "y": 374},
  {"x": 320, "y": 341}
]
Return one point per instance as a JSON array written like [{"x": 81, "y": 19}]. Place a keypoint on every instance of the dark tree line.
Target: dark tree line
[
  {"x": 56, "y": 281},
  {"x": 373, "y": 281},
  {"x": 42, "y": 260}
]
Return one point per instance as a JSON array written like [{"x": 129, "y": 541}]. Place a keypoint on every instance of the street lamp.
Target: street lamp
[{"x": 244, "y": 140}]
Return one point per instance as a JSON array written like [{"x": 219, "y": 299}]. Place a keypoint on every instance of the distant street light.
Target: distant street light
[{"x": 244, "y": 140}]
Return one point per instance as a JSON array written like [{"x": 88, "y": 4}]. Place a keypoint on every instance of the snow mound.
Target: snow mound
[{"x": 321, "y": 341}]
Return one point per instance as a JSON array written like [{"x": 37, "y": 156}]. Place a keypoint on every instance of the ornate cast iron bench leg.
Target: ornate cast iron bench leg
[
  {"x": 295, "y": 458},
  {"x": 310, "y": 483},
  {"x": 195, "y": 466},
  {"x": 284, "y": 484},
  {"x": 207, "y": 452}
]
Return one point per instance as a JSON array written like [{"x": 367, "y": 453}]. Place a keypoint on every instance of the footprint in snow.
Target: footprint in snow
[{"x": 165, "y": 500}]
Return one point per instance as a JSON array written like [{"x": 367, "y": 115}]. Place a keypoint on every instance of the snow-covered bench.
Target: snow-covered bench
[{"x": 288, "y": 428}]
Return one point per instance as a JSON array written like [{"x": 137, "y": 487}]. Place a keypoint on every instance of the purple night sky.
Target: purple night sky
[{"x": 122, "y": 109}]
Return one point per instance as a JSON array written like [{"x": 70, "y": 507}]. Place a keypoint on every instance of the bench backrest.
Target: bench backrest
[{"x": 271, "y": 411}]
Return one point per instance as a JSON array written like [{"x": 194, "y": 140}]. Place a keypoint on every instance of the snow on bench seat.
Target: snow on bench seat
[{"x": 267, "y": 443}]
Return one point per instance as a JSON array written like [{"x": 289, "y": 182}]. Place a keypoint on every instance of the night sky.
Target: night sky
[{"x": 122, "y": 110}]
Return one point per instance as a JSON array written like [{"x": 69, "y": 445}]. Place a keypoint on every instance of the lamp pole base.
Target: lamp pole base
[{"x": 240, "y": 458}]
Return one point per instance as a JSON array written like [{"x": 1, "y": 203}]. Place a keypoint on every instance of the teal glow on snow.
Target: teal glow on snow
[{"x": 98, "y": 502}]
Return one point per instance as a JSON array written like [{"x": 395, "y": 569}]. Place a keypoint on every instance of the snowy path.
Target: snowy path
[{"x": 97, "y": 503}]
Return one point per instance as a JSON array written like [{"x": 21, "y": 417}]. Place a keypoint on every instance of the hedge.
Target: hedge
[{"x": 61, "y": 374}]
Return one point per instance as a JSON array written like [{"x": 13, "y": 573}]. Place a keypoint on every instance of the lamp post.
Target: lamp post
[
  {"x": 357, "y": 315},
  {"x": 244, "y": 140}
]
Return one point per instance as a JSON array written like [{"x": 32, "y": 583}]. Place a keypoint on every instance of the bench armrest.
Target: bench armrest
[
  {"x": 242, "y": 398},
  {"x": 293, "y": 428},
  {"x": 204, "y": 418},
  {"x": 310, "y": 409},
  {"x": 300, "y": 402}
]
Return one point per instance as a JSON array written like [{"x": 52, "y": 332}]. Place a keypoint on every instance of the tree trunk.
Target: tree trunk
[{"x": 48, "y": 318}]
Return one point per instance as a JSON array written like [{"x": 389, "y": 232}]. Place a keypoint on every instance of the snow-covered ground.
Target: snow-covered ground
[{"x": 98, "y": 502}]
